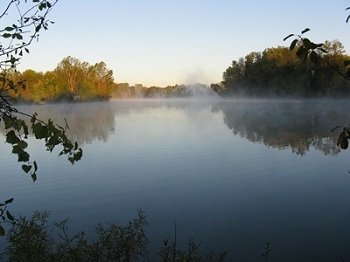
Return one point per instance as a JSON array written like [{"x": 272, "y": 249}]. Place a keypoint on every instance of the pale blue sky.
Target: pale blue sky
[{"x": 163, "y": 42}]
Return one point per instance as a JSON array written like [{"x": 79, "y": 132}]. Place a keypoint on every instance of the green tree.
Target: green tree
[
  {"x": 278, "y": 71},
  {"x": 87, "y": 81},
  {"x": 70, "y": 72}
]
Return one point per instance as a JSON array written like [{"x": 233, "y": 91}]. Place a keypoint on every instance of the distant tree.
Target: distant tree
[
  {"x": 278, "y": 71},
  {"x": 70, "y": 72},
  {"x": 87, "y": 81}
]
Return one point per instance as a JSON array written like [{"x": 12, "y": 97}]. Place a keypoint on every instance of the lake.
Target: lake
[{"x": 232, "y": 174}]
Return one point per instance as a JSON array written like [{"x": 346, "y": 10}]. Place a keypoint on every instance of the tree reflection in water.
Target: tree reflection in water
[
  {"x": 296, "y": 124},
  {"x": 282, "y": 124}
]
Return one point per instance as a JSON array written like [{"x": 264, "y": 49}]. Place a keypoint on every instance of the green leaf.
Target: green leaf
[
  {"x": 38, "y": 130},
  {"x": 23, "y": 157},
  {"x": 17, "y": 149},
  {"x": 347, "y": 19},
  {"x": 35, "y": 166},
  {"x": 22, "y": 144},
  {"x": 53, "y": 141},
  {"x": 71, "y": 159},
  {"x": 26, "y": 168},
  {"x": 6, "y": 35},
  {"x": 307, "y": 43},
  {"x": 292, "y": 45},
  {"x": 2, "y": 231},
  {"x": 11, "y": 137},
  {"x": 8, "y": 28},
  {"x": 25, "y": 128},
  {"x": 9, "y": 215},
  {"x": 284, "y": 39},
  {"x": 19, "y": 36},
  {"x": 8, "y": 201},
  {"x": 34, "y": 177},
  {"x": 8, "y": 121},
  {"x": 305, "y": 30}
]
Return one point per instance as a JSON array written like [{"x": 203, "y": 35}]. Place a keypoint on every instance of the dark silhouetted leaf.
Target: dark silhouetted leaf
[
  {"x": 11, "y": 137},
  {"x": 34, "y": 177},
  {"x": 35, "y": 166},
  {"x": 23, "y": 157},
  {"x": 307, "y": 43},
  {"x": 9, "y": 28},
  {"x": 305, "y": 30},
  {"x": 2, "y": 231},
  {"x": 284, "y": 39},
  {"x": 8, "y": 201},
  {"x": 17, "y": 149},
  {"x": 9, "y": 216},
  {"x": 292, "y": 45},
  {"x": 26, "y": 168}
]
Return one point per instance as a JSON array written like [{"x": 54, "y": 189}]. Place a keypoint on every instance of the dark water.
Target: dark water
[{"x": 230, "y": 174}]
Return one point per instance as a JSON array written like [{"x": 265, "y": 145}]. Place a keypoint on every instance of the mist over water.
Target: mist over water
[{"x": 232, "y": 174}]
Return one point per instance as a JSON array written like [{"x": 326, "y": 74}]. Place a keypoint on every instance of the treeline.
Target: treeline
[
  {"x": 279, "y": 71},
  {"x": 125, "y": 91},
  {"x": 71, "y": 79}
]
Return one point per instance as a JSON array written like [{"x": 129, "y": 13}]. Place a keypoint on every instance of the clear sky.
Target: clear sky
[{"x": 164, "y": 42}]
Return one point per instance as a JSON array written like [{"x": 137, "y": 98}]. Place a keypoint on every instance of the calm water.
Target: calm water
[{"x": 230, "y": 174}]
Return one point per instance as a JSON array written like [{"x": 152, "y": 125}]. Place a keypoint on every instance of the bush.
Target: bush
[{"x": 32, "y": 240}]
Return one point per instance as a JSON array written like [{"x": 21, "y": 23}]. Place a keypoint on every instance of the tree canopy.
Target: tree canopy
[
  {"x": 71, "y": 78},
  {"x": 279, "y": 71}
]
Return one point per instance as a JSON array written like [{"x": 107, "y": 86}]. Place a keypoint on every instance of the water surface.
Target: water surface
[{"x": 231, "y": 174}]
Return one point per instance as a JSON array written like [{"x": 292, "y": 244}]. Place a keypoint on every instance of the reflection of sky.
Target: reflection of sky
[{"x": 183, "y": 164}]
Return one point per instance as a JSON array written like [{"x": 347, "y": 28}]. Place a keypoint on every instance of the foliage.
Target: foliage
[
  {"x": 306, "y": 48},
  {"x": 15, "y": 39},
  {"x": 124, "y": 90},
  {"x": 69, "y": 80},
  {"x": 6, "y": 216},
  {"x": 280, "y": 71},
  {"x": 32, "y": 18},
  {"x": 170, "y": 252},
  {"x": 309, "y": 51},
  {"x": 33, "y": 240},
  {"x": 30, "y": 23},
  {"x": 30, "y": 239}
]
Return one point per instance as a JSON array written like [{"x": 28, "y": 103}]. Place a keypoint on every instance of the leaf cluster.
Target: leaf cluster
[
  {"x": 306, "y": 49},
  {"x": 309, "y": 51},
  {"x": 19, "y": 35},
  {"x": 17, "y": 132},
  {"x": 6, "y": 216},
  {"x": 31, "y": 20}
]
